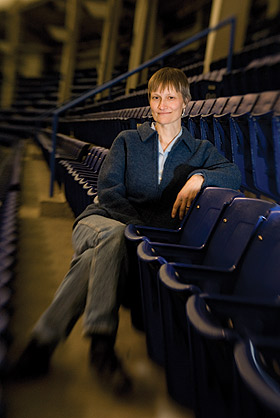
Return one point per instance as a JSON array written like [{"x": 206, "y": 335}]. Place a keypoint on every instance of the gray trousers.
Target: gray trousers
[{"x": 91, "y": 286}]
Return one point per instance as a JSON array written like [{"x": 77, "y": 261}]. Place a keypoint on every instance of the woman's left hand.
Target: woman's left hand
[{"x": 186, "y": 195}]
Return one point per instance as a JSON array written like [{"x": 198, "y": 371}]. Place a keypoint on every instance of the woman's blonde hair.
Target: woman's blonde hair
[{"x": 170, "y": 77}]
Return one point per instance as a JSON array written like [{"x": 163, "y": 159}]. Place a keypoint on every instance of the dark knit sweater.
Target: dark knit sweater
[{"x": 128, "y": 188}]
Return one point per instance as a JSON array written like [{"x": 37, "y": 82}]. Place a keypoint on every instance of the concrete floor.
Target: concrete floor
[{"x": 69, "y": 390}]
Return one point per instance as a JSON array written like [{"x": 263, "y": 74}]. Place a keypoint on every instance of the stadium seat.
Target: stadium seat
[
  {"x": 78, "y": 175},
  {"x": 264, "y": 140},
  {"x": 248, "y": 139},
  {"x": 221, "y": 252},
  {"x": 257, "y": 363},
  {"x": 206, "y": 120},
  {"x": 194, "y": 118},
  {"x": 216, "y": 321},
  {"x": 221, "y": 126},
  {"x": 194, "y": 230}
]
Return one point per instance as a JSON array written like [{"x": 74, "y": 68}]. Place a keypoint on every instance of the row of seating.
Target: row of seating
[
  {"x": 260, "y": 48},
  {"x": 8, "y": 250},
  {"x": 245, "y": 129},
  {"x": 101, "y": 128},
  {"x": 209, "y": 299},
  {"x": 67, "y": 148},
  {"x": 216, "y": 83},
  {"x": 259, "y": 75},
  {"x": 11, "y": 151},
  {"x": 79, "y": 178},
  {"x": 10, "y": 169}
]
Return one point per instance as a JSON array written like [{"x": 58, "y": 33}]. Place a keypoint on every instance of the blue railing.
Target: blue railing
[{"x": 57, "y": 112}]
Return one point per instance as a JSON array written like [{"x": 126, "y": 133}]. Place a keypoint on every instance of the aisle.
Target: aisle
[{"x": 69, "y": 390}]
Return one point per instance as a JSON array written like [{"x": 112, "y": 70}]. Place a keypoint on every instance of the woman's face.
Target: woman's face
[{"x": 167, "y": 105}]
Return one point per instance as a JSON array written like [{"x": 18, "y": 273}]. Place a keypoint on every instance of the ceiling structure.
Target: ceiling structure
[{"x": 42, "y": 30}]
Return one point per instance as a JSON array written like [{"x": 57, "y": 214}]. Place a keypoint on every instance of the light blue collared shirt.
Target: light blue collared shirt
[{"x": 162, "y": 155}]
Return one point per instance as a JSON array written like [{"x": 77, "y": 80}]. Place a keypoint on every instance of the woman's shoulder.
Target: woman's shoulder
[
  {"x": 145, "y": 130},
  {"x": 142, "y": 132}
]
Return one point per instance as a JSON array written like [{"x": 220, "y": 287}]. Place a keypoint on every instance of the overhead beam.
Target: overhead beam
[
  {"x": 109, "y": 42},
  {"x": 97, "y": 8},
  {"x": 149, "y": 47},
  {"x": 69, "y": 50},
  {"x": 218, "y": 41},
  {"x": 24, "y": 5},
  {"x": 143, "y": 27},
  {"x": 4, "y": 46},
  {"x": 11, "y": 58},
  {"x": 273, "y": 7},
  {"x": 58, "y": 33}
]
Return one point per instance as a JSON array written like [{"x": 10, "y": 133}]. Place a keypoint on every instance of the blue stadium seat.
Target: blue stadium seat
[
  {"x": 78, "y": 178},
  {"x": 248, "y": 139},
  {"x": 258, "y": 362},
  {"x": 194, "y": 111},
  {"x": 194, "y": 230},
  {"x": 238, "y": 127},
  {"x": 221, "y": 252},
  {"x": 221, "y": 126},
  {"x": 196, "y": 226},
  {"x": 216, "y": 321},
  {"x": 206, "y": 120},
  {"x": 194, "y": 118},
  {"x": 264, "y": 140}
]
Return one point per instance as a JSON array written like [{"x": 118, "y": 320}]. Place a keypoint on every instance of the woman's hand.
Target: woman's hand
[{"x": 187, "y": 195}]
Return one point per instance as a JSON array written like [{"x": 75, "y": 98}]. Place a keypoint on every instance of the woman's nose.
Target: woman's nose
[{"x": 162, "y": 104}]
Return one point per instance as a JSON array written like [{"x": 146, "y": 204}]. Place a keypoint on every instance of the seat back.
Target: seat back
[
  {"x": 264, "y": 154},
  {"x": 258, "y": 366},
  {"x": 266, "y": 102},
  {"x": 241, "y": 148},
  {"x": 173, "y": 295},
  {"x": 206, "y": 121},
  {"x": 204, "y": 214},
  {"x": 219, "y": 105},
  {"x": 247, "y": 104},
  {"x": 90, "y": 155},
  {"x": 196, "y": 108},
  {"x": 260, "y": 267},
  {"x": 276, "y": 146},
  {"x": 234, "y": 230},
  {"x": 222, "y": 134},
  {"x": 232, "y": 104},
  {"x": 194, "y": 118},
  {"x": 207, "y": 107},
  {"x": 148, "y": 269},
  {"x": 98, "y": 159}
]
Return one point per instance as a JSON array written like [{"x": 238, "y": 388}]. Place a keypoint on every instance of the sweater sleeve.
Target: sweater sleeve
[
  {"x": 112, "y": 194},
  {"x": 215, "y": 168}
]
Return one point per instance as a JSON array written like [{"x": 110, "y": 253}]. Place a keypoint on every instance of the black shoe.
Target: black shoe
[
  {"x": 34, "y": 362},
  {"x": 108, "y": 366}
]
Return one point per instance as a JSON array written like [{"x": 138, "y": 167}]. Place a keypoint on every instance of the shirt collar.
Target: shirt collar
[
  {"x": 146, "y": 131},
  {"x": 172, "y": 143}
]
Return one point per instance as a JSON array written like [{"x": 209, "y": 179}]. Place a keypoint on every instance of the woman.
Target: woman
[{"x": 150, "y": 176}]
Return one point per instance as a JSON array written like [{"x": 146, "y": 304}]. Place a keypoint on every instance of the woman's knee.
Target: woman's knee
[
  {"x": 114, "y": 236},
  {"x": 95, "y": 229}
]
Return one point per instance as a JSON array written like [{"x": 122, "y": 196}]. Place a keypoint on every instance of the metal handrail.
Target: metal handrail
[{"x": 57, "y": 112}]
